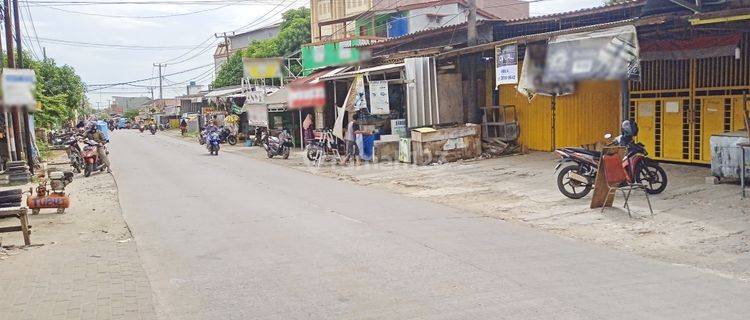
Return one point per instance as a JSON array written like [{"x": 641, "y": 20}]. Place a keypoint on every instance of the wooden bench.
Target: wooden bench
[{"x": 22, "y": 215}]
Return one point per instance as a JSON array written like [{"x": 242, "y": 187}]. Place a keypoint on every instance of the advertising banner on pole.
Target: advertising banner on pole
[
  {"x": 18, "y": 87},
  {"x": 506, "y": 64},
  {"x": 262, "y": 68},
  {"x": 379, "y": 97}
]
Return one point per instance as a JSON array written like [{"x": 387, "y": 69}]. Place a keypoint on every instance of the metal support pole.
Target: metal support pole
[{"x": 8, "y": 33}]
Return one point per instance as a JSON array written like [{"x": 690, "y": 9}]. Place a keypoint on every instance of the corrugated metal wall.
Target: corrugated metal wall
[
  {"x": 581, "y": 118},
  {"x": 535, "y": 118},
  {"x": 585, "y": 116}
]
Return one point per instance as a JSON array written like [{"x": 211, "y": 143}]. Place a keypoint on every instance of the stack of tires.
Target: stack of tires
[{"x": 10, "y": 198}]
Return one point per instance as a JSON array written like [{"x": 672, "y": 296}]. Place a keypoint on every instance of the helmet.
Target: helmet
[{"x": 629, "y": 128}]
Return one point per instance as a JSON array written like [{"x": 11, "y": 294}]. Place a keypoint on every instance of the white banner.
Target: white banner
[
  {"x": 506, "y": 64},
  {"x": 379, "y": 97},
  {"x": 18, "y": 87}
]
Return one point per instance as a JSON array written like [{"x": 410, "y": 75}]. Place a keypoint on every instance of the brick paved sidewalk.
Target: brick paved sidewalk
[{"x": 87, "y": 266}]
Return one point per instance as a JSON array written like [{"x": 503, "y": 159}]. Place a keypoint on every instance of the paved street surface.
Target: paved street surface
[
  {"x": 229, "y": 237},
  {"x": 83, "y": 265}
]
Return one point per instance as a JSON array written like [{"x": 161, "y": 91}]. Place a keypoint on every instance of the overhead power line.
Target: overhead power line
[
  {"x": 111, "y": 45},
  {"x": 109, "y": 85},
  {"x": 150, "y": 3},
  {"x": 135, "y": 17}
]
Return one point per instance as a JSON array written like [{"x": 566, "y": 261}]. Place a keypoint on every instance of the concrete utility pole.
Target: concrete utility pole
[
  {"x": 226, "y": 39},
  {"x": 8, "y": 33},
  {"x": 471, "y": 25},
  {"x": 161, "y": 88}
]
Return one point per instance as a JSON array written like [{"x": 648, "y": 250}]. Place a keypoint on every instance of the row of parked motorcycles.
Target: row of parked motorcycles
[{"x": 83, "y": 155}]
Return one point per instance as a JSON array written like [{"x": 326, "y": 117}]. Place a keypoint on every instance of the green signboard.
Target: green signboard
[{"x": 335, "y": 53}]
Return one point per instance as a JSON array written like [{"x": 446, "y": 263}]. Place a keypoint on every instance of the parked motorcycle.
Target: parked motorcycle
[
  {"x": 74, "y": 154},
  {"x": 212, "y": 143},
  {"x": 225, "y": 135},
  {"x": 91, "y": 157},
  {"x": 277, "y": 146},
  {"x": 142, "y": 128},
  {"x": 580, "y": 166},
  {"x": 152, "y": 128}
]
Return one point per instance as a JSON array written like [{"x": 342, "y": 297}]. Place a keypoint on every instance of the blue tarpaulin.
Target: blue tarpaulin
[{"x": 104, "y": 128}]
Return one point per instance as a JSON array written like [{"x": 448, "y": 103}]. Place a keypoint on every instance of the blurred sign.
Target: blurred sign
[
  {"x": 307, "y": 96},
  {"x": 379, "y": 97},
  {"x": 264, "y": 68},
  {"x": 609, "y": 54},
  {"x": 18, "y": 87},
  {"x": 506, "y": 64},
  {"x": 360, "y": 101}
]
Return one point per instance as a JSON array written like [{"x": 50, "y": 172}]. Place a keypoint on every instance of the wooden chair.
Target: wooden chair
[{"x": 617, "y": 179}]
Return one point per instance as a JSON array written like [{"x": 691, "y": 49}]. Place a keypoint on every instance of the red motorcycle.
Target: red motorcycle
[
  {"x": 576, "y": 179},
  {"x": 91, "y": 158}
]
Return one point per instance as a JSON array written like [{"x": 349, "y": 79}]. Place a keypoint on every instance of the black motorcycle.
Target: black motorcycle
[
  {"x": 74, "y": 154},
  {"x": 226, "y": 136},
  {"x": 277, "y": 146}
]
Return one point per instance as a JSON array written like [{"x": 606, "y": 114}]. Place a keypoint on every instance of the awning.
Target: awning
[
  {"x": 351, "y": 74},
  {"x": 223, "y": 92},
  {"x": 694, "y": 48}
]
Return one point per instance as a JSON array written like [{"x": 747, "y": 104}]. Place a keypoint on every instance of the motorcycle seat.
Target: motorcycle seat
[{"x": 592, "y": 153}]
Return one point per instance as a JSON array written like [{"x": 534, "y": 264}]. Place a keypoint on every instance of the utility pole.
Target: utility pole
[
  {"x": 161, "y": 88},
  {"x": 17, "y": 26},
  {"x": 8, "y": 33},
  {"x": 44, "y": 53},
  {"x": 226, "y": 40},
  {"x": 471, "y": 25}
]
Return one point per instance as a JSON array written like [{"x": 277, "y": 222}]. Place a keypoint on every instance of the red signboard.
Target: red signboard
[{"x": 307, "y": 95}]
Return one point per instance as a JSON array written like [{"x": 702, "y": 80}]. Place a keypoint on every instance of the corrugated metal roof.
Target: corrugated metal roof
[{"x": 601, "y": 8}]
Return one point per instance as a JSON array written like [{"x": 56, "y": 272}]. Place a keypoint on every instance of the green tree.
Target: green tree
[
  {"x": 294, "y": 32},
  {"x": 230, "y": 73},
  {"x": 131, "y": 114}
]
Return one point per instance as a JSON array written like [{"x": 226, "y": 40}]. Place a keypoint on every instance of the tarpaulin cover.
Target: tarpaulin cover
[
  {"x": 694, "y": 48},
  {"x": 104, "y": 128},
  {"x": 530, "y": 81},
  {"x": 609, "y": 54}
]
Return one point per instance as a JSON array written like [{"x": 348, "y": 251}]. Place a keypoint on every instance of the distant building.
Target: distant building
[
  {"x": 193, "y": 88},
  {"x": 241, "y": 41},
  {"x": 122, "y": 104},
  {"x": 334, "y": 19}
]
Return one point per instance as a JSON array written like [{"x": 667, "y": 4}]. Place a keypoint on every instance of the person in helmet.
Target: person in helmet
[
  {"x": 94, "y": 134},
  {"x": 629, "y": 130}
]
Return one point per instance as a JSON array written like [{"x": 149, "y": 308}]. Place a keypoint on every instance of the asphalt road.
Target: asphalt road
[{"x": 229, "y": 237}]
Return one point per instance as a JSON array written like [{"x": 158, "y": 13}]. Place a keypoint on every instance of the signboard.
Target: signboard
[
  {"x": 609, "y": 54},
  {"x": 332, "y": 54},
  {"x": 379, "y": 97},
  {"x": 307, "y": 96},
  {"x": 506, "y": 64},
  {"x": 398, "y": 126},
  {"x": 257, "y": 115},
  {"x": 360, "y": 100},
  {"x": 18, "y": 87},
  {"x": 261, "y": 68}
]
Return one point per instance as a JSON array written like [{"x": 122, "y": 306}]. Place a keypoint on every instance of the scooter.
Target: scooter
[
  {"x": 277, "y": 146},
  {"x": 142, "y": 127},
  {"x": 91, "y": 158},
  {"x": 74, "y": 154},
  {"x": 152, "y": 128},
  {"x": 213, "y": 143},
  {"x": 580, "y": 166}
]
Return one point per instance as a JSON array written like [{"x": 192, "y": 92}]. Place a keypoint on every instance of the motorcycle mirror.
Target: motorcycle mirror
[{"x": 608, "y": 136}]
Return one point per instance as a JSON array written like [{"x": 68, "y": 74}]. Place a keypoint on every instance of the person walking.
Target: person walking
[{"x": 352, "y": 129}]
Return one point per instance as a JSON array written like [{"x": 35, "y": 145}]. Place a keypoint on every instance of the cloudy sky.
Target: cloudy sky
[{"x": 116, "y": 43}]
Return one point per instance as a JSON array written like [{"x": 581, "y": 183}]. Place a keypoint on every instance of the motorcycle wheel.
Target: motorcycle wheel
[
  {"x": 652, "y": 176},
  {"x": 285, "y": 154},
  {"x": 88, "y": 169},
  {"x": 200, "y": 140},
  {"x": 569, "y": 187},
  {"x": 269, "y": 153},
  {"x": 232, "y": 140},
  {"x": 312, "y": 153}
]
